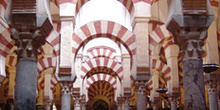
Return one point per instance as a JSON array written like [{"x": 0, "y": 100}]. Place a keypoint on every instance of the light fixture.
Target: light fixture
[
  {"x": 208, "y": 68},
  {"x": 161, "y": 90}
]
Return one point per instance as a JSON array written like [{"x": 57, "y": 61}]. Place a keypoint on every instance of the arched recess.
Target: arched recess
[
  {"x": 101, "y": 88},
  {"x": 43, "y": 64},
  {"x": 6, "y": 43},
  {"x": 128, "y": 4},
  {"x": 105, "y": 29},
  {"x": 101, "y": 77},
  {"x": 102, "y": 65}
]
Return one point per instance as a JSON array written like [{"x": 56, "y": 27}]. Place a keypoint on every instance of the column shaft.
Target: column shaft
[
  {"x": 26, "y": 84},
  {"x": 141, "y": 101},
  {"x": 193, "y": 84},
  {"x": 213, "y": 103},
  {"x": 173, "y": 106},
  {"x": 65, "y": 101}
]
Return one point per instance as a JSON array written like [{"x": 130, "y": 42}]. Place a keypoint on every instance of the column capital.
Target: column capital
[
  {"x": 47, "y": 104},
  {"x": 27, "y": 41},
  {"x": 77, "y": 102},
  {"x": 126, "y": 101},
  {"x": 140, "y": 87},
  {"x": 190, "y": 41},
  {"x": 66, "y": 87},
  {"x": 212, "y": 86}
]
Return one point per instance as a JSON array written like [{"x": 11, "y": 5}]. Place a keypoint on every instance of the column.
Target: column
[
  {"x": 83, "y": 104},
  {"x": 173, "y": 101},
  {"x": 77, "y": 104},
  {"x": 29, "y": 27},
  {"x": 212, "y": 83},
  {"x": 126, "y": 103},
  {"x": 26, "y": 71},
  {"x": 47, "y": 104},
  {"x": 141, "y": 96},
  {"x": 189, "y": 26},
  {"x": 156, "y": 103},
  {"x": 66, "y": 95},
  {"x": 119, "y": 103}
]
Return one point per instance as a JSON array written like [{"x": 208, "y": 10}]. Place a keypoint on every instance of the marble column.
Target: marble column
[
  {"x": 189, "y": 26},
  {"x": 26, "y": 71},
  {"x": 66, "y": 95},
  {"x": 193, "y": 78},
  {"x": 212, "y": 91},
  {"x": 141, "y": 96}
]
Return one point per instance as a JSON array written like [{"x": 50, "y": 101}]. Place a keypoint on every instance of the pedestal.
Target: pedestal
[{"x": 26, "y": 84}]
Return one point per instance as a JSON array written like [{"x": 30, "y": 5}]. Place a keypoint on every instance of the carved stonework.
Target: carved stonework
[
  {"x": 127, "y": 101},
  {"x": 28, "y": 42},
  {"x": 141, "y": 89},
  {"x": 190, "y": 41},
  {"x": 212, "y": 86},
  {"x": 77, "y": 102},
  {"x": 66, "y": 87}
]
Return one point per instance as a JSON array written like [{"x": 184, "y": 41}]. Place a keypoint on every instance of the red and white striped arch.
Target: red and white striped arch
[
  {"x": 158, "y": 35},
  {"x": 214, "y": 3},
  {"x": 128, "y": 4},
  {"x": 101, "y": 77},
  {"x": 3, "y": 3},
  {"x": 67, "y": 1},
  {"x": 153, "y": 24},
  {"x": 12, "y": 61},
  {"x": 53, "y": 82},
  {"x": 102, "y": 88},
  {"x": 54, "y": 37},
  {"x": 55, "y": 2},
  {"x": 149, "y": 85},
  {"x": 6, "y": 43},
  {"x": 46, "y": 63},
  {"x": 100, "y": 51},
  {"x": 107, "y": 29},
  {"x": 162, "y": 67},
  {"x": 102, "y": 62}
]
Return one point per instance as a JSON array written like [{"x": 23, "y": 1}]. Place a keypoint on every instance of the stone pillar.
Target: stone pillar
[
  {"x": 156, "y": 103},
  {"x": 173, "y": 101},
  {"x": 66, "y": 95},
  {"x": 77, "y": 104},
  {"x": 141, "y": 95},
  {"x": 212, "y": 84},
  {"x": 119, "y": 103},
  {"x": 47, "y": 104},
  {"x": 126, "y": 103},
  {"x": 83, "y": 104},
  {"x": 29, "y": 21},
  {"x": 26, "y": 71},
  {"x": 189, "y": 23}
]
